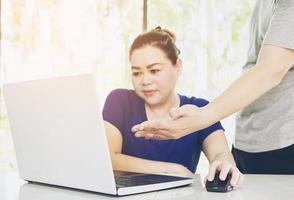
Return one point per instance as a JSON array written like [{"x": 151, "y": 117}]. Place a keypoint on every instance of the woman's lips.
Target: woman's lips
[{"x": 148, "y": 92}]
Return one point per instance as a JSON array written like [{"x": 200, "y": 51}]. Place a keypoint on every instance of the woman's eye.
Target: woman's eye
[
  {"x": 136, "y": 73},
  {"x": 154, "y": 71}
]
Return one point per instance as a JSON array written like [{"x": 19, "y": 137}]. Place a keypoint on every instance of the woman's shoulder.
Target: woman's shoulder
[
  {"x": 122, "y": 93},
  {"x": 121, "y": 106},
  {"x": 124, "y": 97},
  {"x": 200, "y": 102}
]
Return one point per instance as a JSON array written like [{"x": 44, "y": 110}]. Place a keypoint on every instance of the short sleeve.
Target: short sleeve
[
  {"x": 281, "y": 28},
  {"x": 207, "y": 131},
  {"x": 113, "y": 110}
]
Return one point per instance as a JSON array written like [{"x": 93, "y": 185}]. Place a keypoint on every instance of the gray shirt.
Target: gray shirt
[{"x": 268, "y": 123}]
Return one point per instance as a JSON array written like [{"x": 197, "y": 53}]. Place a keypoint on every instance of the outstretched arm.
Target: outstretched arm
[{"x": 272, "y": 65}]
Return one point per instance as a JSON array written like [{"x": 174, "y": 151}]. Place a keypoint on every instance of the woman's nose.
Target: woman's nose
[{"x": 147, "y": 79}]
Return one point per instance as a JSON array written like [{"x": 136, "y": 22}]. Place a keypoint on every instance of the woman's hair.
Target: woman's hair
[{"x": 160, "y": 38}]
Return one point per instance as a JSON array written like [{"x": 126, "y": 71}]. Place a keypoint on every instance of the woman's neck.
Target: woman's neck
[{"x": 162, "y": 110}]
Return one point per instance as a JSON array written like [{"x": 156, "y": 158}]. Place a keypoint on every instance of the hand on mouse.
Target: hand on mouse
[{"x": 225, "y": 167}]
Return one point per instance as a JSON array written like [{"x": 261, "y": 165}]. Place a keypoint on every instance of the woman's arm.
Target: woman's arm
[
  {"x": 124, "y": 162},
  {"x": 272, "y": 65},
  {"x": 215, "y": 148}
]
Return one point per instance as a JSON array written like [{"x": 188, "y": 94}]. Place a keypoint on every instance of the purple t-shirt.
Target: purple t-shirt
[{"x": 124, "y": 109}]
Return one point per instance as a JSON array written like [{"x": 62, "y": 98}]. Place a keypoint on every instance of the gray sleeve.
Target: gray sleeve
[{"x": 281, "y": 29}]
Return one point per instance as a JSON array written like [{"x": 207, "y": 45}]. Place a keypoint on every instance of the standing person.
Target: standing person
[
  {"x": 264, "y": 141},
  {"x": 155, "y": 69}
]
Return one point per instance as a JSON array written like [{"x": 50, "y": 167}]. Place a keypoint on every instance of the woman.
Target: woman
[{"x": 155, "y": 69}]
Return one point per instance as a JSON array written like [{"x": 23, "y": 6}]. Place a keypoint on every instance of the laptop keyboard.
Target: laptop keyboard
[
  {"x": 131, "y": 181},
  {"x": 143, "y": 179}
]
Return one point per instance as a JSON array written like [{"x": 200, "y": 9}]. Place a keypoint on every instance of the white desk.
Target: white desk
[{"x": 259, "y": 187}]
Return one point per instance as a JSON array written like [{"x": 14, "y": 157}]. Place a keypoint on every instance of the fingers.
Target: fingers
[
  {"x": 175, "y": 113},
  {"x": 138, "y": 127},
  {"x": 212, "y": 169},
  {"x": 147, "y": 136},
  {"x": 225, "y": 167},
  {"x": 165, "y": 128},
  {"x": 235, "y": 177},
  {"x": 148, "y": 126},
  {"x": 150, "y": 136},
  {"x": 239, "y": 180},
  {"x": 156, "y": 130}
]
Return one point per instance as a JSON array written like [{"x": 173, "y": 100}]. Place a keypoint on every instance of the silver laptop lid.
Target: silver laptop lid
[{"x": 58, "y": 133}]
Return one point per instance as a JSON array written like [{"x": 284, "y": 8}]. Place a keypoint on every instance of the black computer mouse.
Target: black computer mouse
[{"x": 217, "y": 185}]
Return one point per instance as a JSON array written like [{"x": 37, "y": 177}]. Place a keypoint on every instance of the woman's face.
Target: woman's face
[{"x": 153, "y": 75}]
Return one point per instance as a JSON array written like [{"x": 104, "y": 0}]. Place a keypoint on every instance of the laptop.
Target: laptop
[{"x": 59, "y": 138}]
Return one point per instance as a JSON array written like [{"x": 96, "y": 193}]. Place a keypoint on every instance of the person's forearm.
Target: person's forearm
[
  {"x": 224, "y": 156},
  {"x": 215, "y": 147},
  {"x": 123, "y": 162},
  {"x": 257, "y": 81}
]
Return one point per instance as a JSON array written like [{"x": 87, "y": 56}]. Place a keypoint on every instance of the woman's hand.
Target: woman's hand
[
  {"x": 183, "y": 121},
  {"x": 225, "y": 167}
]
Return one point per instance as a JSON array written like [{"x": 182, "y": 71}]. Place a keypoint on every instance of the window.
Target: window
[{"x": 52, "y": 38}]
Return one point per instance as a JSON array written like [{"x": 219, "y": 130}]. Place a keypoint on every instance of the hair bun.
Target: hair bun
[
  {"x": 159, "y": 38},
  {"x": 158, "y": 28},
  {"x": 171, "y": 35}
]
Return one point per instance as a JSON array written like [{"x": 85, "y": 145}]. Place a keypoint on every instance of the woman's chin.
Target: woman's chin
[{"x": 151, "y": 101}]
